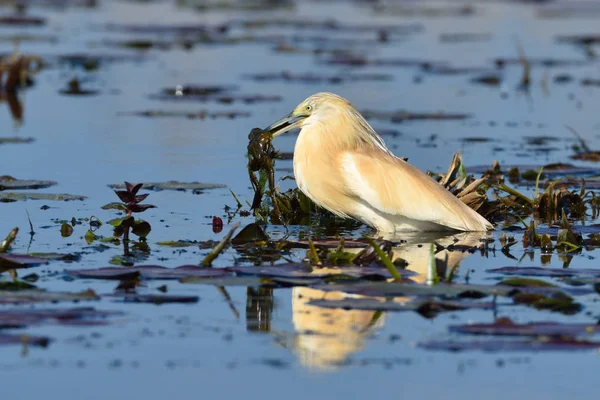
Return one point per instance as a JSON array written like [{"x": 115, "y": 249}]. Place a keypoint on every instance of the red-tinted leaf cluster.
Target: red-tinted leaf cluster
[{"x": 131, "y": 199}]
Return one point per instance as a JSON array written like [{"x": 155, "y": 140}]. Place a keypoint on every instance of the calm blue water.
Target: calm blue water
[{"x": 202, "y": 349}]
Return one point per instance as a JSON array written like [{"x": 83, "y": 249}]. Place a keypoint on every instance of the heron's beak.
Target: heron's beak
[{"x": 291, "y": 121}]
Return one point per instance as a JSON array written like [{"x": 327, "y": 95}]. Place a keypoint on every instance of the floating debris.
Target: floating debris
[
  {"x": 428, "y": 307},
  {"x": 148, "y": 272},
  {"x": 506, "y": 327},
  {"x": 488, "y": 80},
  {"x": 360, "y": 60},
  {"x": 542, "y": 62},
  {"x": 40, "y": 341},
  {"x": 326, "y": 25},
  {"x": 424, "y": 11},
  {"x": 6, "y": 197},
  {"x": 545, "y": 344},
  {"x": 11, "y": 183},
  {"x": 402, "y": 116},
  {"x": 74, "y": 89},
  {"x": 312, "y": 78},
  {"x": 21, "y": 20},
  {"x": 465, "y": 37},
  {"x": 202, "y": 114},
  {"x": 157, "y": 298},
  {"x": 80, "y": 316},
  {"x": 9, "y": 261},
  {"x": 195, "y": 187},
  {"x": 547, "y": 272},
  {"x": 192, "y": 95},
  {"x": 16, "y": 140},
  {"x": 42, "y": 296}
]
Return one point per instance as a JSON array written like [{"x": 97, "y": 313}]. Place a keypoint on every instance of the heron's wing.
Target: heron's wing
[{"x": 394, "y": 187}]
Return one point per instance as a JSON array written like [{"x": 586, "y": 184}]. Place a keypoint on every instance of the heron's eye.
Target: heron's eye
[{"x": 308, "y": 108}]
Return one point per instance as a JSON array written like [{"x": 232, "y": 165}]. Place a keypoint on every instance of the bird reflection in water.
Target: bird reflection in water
[
  {"x": 326, "y": 338},
  {"x": 16, "y": 72},
  {"x": 14, "y": 106}
]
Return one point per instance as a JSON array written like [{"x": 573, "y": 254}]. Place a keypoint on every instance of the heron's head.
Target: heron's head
[{"x": 318, "y": 107}]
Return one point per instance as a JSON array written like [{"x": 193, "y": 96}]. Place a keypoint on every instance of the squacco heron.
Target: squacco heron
[{"x": 344, "y": 166}]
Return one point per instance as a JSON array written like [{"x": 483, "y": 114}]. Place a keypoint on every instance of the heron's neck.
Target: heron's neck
[{"x": 342, "y": 131}]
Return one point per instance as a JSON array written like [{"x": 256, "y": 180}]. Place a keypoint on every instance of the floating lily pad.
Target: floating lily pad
[
  {"x": 21, "y": 318},
  {"x": 39, "y": 296},
  {"x": 20, "y": 261},
  {"x": 506, "y": 327},
  {"x": 297, "y": 270},
  {"x": 148, "y": 272},
  {"x": 417, "y": 305},
  {"x": 402, "y": 115},
  {"x": 21, "y": 20},
  {"x": 359, "y": 61},
  {"x": 20, "y": 196},
  {"x": 565, "y": 344},
  {"x": 202, "y": 114},
  {"x": 310, "y": 77},
  {"x": 397, "y": 289},
  {"x": 179, "y": 243},
  {"x": 525, "y": 282},
  {"x": 174, "y": 185},
  {"x": 158, "y": 299},
  {"x": 16, "y": 140},
  {"x": 41, "y": 341},
  {"x": 328, "y": 243},
  {"x": 192, "y": 95},
  {"x": 230, "y": 281},
  {"x": 10, "y": 183}
]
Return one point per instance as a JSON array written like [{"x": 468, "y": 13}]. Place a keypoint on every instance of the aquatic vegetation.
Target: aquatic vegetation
[
  {"x": 194, "y": 187},
  {"x": 201, "y": 114},
  {"x": 74, "y": 89},
  {"x": 130, "y": 204}
]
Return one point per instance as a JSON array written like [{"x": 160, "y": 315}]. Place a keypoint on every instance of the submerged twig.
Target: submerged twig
[{"x": 210, "y": 257}]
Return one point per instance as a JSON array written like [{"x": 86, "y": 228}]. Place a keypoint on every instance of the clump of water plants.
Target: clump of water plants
[
  {"x": 261, "y": 160},
  {"x": 130, "y": 203}
]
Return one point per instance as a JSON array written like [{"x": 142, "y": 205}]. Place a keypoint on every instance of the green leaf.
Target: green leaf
[
  {"x": 66, "y": 230},
  {"x": 141, "y": 228},
  {"x": 121, "y": 222},
  {"x": 90, "y": 236}
]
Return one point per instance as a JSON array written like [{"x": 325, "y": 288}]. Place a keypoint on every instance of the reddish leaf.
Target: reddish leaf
[
  {"x": 139, "y": 207},
  {"x": 124, "y": 196},
  {"x": 128, "y": 187}
]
